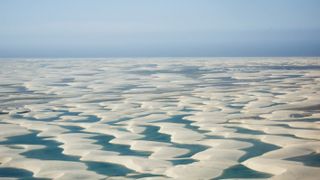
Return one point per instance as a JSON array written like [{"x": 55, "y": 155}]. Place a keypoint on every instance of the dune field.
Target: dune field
[{"x": 160, "y": 118}]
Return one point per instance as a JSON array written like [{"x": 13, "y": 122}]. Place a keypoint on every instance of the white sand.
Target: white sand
[{"x": 223, "y": 111}]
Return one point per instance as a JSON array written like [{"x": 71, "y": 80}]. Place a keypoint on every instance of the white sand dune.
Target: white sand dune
[{"x": 160, "y": 118}]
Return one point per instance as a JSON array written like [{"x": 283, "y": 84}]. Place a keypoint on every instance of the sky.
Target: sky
[{"x": 156, "y": 28}]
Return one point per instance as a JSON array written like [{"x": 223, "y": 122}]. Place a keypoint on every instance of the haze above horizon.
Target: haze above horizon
[{"x": 142, "y": 28}]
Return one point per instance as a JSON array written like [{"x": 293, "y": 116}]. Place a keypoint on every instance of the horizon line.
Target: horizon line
[{"x": 136, "y": 57}]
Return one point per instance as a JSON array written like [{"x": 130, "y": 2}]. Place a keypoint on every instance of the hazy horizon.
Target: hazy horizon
[{"x": 75, "y": 29}]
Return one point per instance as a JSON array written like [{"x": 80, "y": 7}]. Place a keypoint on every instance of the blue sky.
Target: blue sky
[{"x": 134, "y": 28}]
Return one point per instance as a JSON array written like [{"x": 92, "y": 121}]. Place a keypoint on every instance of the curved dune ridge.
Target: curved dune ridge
[{"x": 160, "y": 118}]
